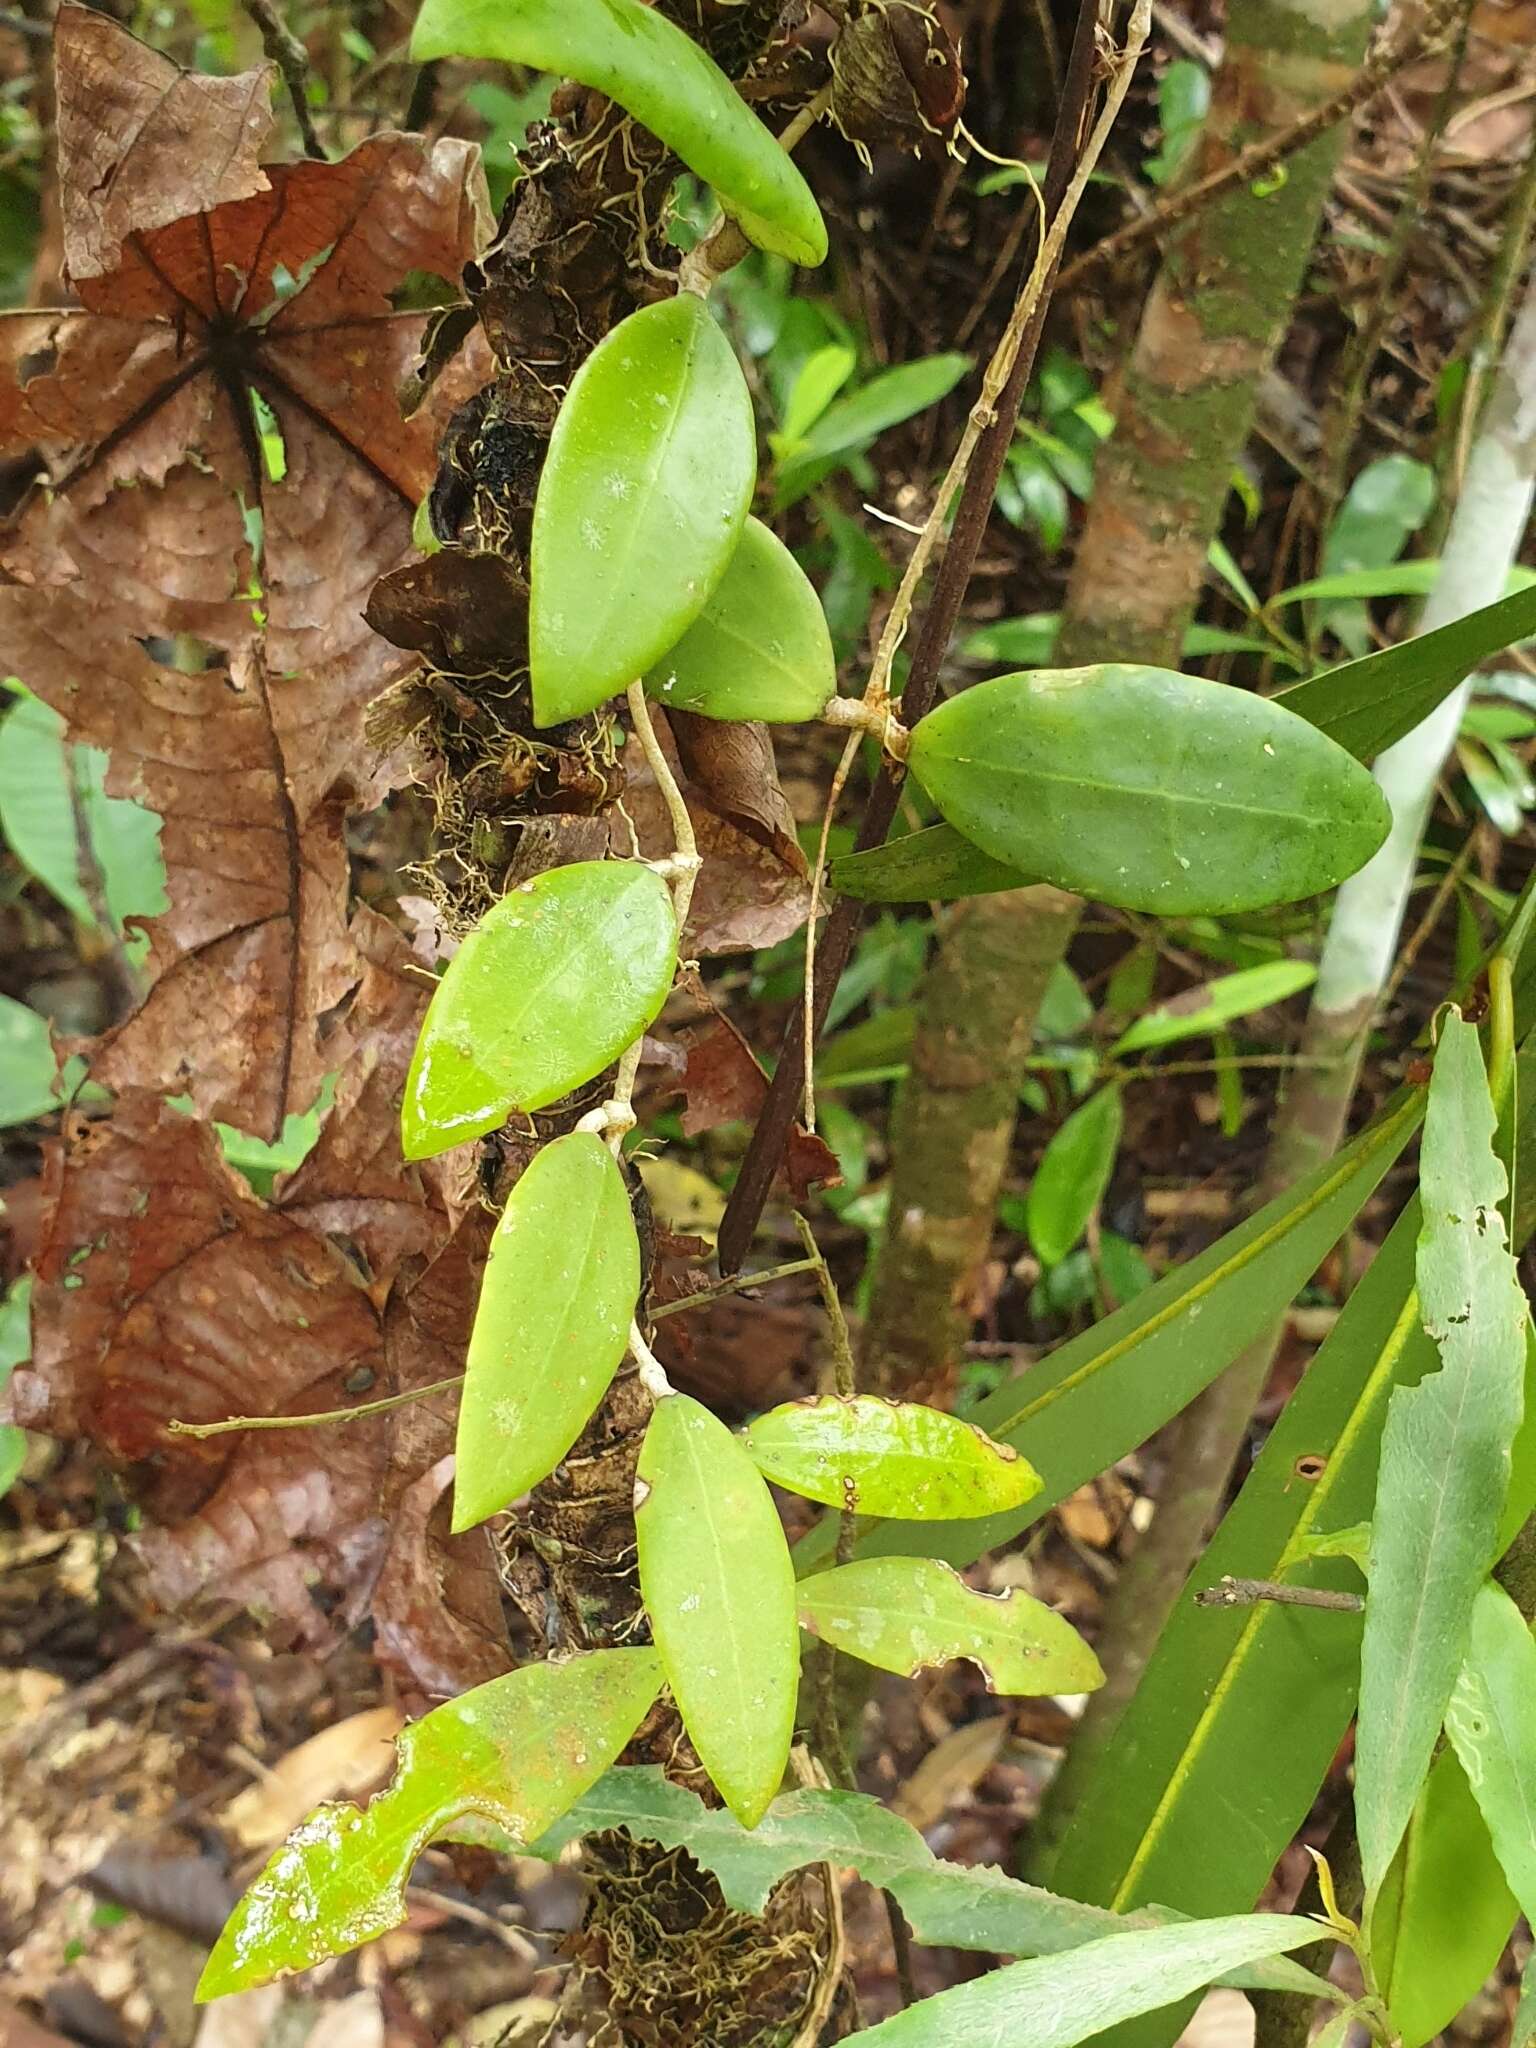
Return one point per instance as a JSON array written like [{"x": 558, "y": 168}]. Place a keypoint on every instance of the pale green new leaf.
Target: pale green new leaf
[
  {"x": 550, "y": 986},
  {"x": 907, "y": 1614},
  {"x": 641, "y": 503},
  {"x": 518, "y": 1751},
  {"x": 1523, "y": 2032},
  {"x": 1199, "y": 1011},
  {"x": 661, "y": 76},
  {"x": 1073, "y": 1173},
  {"x": 1492, "y": 1725},
  {"x": 29, "y": 1066},
  {"x": 1148, "y": 789},
  {"x": 888, "y": 1458},
  {"x": 1058, "y": 2001},
  {"x": 759, "y": 649},
  {"x": 552, "y": 1322},
  {"x": 1445, "y": 1456},
  {"x": 720, "y": 1593}
]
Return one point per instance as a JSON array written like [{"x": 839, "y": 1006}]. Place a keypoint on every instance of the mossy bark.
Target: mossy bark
[{"x": 951, "y": 1131}]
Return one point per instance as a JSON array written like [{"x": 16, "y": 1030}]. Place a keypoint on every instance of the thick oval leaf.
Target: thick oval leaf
[
  {"x": 1150, "y": 790},
  {"x": 720, "y": 1592},
  {"x": 759, "y": 649},
  {"x": 641, "y": 503},
  {"x": 555, "y": 1307},
  {"x": 889, "y": 1458},
  {"x": 551, "y": 985},
  {"x": 1070, "y": 1180},
  {"x": 517, "y": 1751},
  {"x": 1057, "y": 2001},
  {"x": 661, "y": 76},
  {"x": 936, "y": 865},
  {"x": 906, "y": 1614}
]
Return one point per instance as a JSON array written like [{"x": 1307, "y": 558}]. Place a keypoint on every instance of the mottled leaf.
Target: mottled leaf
[
  {"x": 550, "y": 986},
  {"x": 759, "y": 649},
  {"x": 661, "y": 76},
  {"x": 555, "y": 1307},
  {"x": 1147, "y": 789},
  {"x": 906, "y": 1614},
  {"x": 518, "y": 1751},
  {"x": 1445, "y": 1454},
  {"x": 641, "y": 503},
  {"x": 888, "y": 1458},
  {"x": 720, "y": 1592}
]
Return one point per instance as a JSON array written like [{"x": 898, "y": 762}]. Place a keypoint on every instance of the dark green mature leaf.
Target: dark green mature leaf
[
  {"x": 1440, "y": 1921},
  {"x": 948, "y": 1905},
  {"x": 1070, "y": 1180},
  {"x": 661, "y": 76},
  {"x": 720, "y": 1592},
  {"x": 936, "y": 865},
  {"x": 641, "y": 503},
  {"x": 907, "y": 1614},
  {"x": 1148, "y": 789},
  {"x": 1492, "y": 1725},
  {"x": 888, "y": 1458},
  {"x": 1057, "y": 2001},
  {"x": 1445, "y": 1454},
  {"x": 1371, "y": 703},
  {"x": 759, "y": 649},
  {"x": 1108, "y": 1390},
  {"x": 552, "y": 983},
  {"x": 553, "y": 1319},
  {"x": 518, "y": 1751}
]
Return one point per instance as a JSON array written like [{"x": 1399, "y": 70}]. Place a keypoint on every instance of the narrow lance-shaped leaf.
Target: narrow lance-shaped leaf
[
  {"x": 1445, "y": 1454},
  {"x": 888, "y": 1458},
  {"x": 759, "y": 649},
  {"x": 1057, "y": 2001},
  {"x": 641, "y": 503},
  {"x": 936, "y": 865},
  {"x": 552, "y": 1322},
  {"x": 518, "y": 1751},
  {"x": 550, "y": 986},
  {"x": 1147, "y": 789},
  {"x": 661, "y": 76},
  {"x": 1073, "y": 1173},
  {"x": 1200, "y": 1011},
  {"x": 1492, "y": 1725},
  {"x": 948, "y": 1905},
  {"x": 720, "y": 1593},
  {"x": 907, "y": 1614}
]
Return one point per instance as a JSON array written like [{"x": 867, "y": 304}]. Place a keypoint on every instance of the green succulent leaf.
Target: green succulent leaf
[
  {"x": 641, "y": 503},
  {"x": 720, "y": 1592},
  {"x": 1147, "y": 789},
  {"x": 553, "y": 1319},
  {"x": 759, "y": 649},
  {"x": 906, "y": 1614},
  {"x": 888, "y": 1458},
  {"x": 550, "y": 986},
  {"x": 517, "y": 1752},
  {"x": 661, "y": 76}
]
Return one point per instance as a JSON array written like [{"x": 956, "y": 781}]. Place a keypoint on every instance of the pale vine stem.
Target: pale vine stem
[{"x": 877, "y": 690}]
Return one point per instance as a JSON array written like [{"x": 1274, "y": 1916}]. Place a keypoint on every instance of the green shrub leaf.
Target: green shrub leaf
[
  {"x": 759, "y": 649},
  {"x": 551, "y": 985},
  {"x": 661, "y": 76},
  {"x": 906, "y": 1614},
  {"x": 1492, "y": 1725},
  {"x": 888, "y": 1458},
  {"x": 720, "y": 1592},
  {"x": 640, "y": 506},
  {"x": 936, "y": 865},
  {"x": 555, "y": 1306},
  {"x": 517, "y": 1751},
  {"x": 1199, "y": 1011},
  {"x": 1445, "y": 1453},
  {"x": 1147, "y": 789},
  {"x": 1070, "y": 1180}
]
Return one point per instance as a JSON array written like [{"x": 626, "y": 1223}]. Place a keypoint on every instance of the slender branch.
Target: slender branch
[
  {"x": 1392, "y": 54},
  {"x": 736, "y": 1283},
  {"x": 761, "y": 1163},
  {"x": 1230, "y": 1592},
  {"x": 292, "y": 60},
  {"x": 234, "y": 1422}
]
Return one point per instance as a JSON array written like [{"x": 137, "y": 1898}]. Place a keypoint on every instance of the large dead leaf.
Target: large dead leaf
[{"x": 192, "y": 572}]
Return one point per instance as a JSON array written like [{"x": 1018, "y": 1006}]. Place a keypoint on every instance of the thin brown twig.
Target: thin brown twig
[
  {"x": 292, "y": 60},
  {"x": 1392, "y": 54},
  {"x": 1230, "y": 1592}
]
